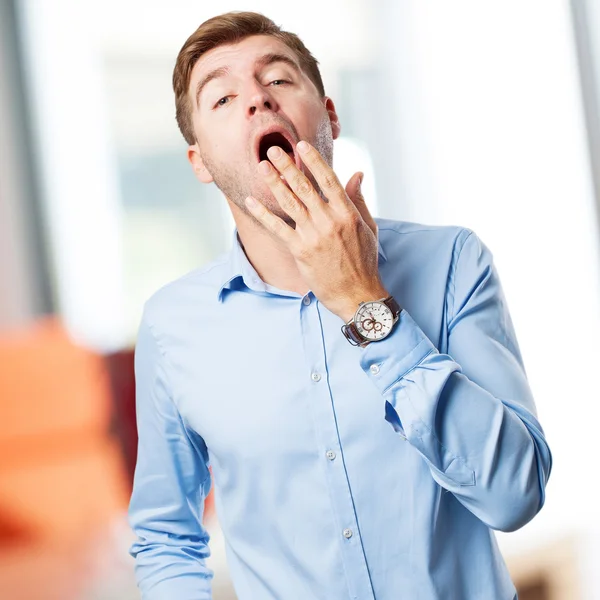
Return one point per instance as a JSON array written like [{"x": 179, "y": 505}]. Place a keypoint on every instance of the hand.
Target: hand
[{"x": 334, "y": 242}]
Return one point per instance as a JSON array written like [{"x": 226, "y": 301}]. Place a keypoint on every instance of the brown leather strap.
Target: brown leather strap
[
  {"x": 391, "y": 303},
  {"x": 352, "y": 334}
]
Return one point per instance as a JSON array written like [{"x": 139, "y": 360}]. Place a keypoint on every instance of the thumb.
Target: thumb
[{"x": 354, "y": 191}]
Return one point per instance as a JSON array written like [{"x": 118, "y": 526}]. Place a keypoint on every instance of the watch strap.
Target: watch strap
[{"x": 391, "y": 303}]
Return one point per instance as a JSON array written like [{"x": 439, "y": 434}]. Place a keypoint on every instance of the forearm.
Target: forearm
[
  {"x": 170, "y": 485},
  {"x": 165, "y": 571},
  {"x": 487, "y": 450},
  {"x": 172, "y": 547}
]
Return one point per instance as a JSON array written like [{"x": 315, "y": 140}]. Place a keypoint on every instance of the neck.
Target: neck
[{"x": 270, "y": 258}]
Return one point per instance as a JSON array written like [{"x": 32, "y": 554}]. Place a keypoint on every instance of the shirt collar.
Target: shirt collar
[{"x": 240, "y": 272}]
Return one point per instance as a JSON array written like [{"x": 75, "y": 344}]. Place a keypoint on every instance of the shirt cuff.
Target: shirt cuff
[{"x": 389, "y": 359}]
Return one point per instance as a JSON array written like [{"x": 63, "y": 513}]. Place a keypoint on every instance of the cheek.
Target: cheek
[
  {"x": 229, "y": 152},
  {"x": 218, "y": 147},
  {"x": 309, "y": 117}
]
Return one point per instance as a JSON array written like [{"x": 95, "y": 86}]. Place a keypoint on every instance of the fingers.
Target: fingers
[
  {"x": 354, "y": 191},
  {"x": 300, "y": 200},
  {"x": 324, "y": 175},
  {"x": 296, "y": 179},
  {"x": 271, "y": 222},
  {"x": 284, "y": 196}
]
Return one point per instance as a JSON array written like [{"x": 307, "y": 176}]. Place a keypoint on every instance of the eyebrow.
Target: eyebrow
[
  {"x": 271, "y": 58},
  {"x": 261, "y": 63},
  {"x": 214, "y": 74}
]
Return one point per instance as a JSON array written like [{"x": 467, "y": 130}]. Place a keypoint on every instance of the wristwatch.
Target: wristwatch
[{"x": 372, "y": 321}]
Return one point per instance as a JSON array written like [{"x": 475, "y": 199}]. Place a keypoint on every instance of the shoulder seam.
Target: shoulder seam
[{"x": 469, "y": 233}]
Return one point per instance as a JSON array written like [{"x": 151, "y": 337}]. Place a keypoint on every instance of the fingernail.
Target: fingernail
[
  {"x": 274, "y": 152},
  {"x": 360, "y": 178},
  {"x": 250, "y": 201},
  {"x": 302, "y": 147},
  {"x": 264, "y": 167}
]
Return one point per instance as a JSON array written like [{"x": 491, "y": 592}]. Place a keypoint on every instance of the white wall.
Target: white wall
[
  {"x": 73, "y": 147},
  {"x": 492, "y": 137}
]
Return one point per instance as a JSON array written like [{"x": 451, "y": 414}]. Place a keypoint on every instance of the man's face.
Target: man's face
[{"x": 247, "y": 97}]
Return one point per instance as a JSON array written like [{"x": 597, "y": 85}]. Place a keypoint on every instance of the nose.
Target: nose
[{"x": 261, "y": 101}]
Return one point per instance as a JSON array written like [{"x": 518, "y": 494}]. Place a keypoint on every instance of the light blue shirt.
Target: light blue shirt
[{"x": 340, "y": 472}]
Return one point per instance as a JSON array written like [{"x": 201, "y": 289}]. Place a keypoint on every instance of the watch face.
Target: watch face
[{"x": 374, "y": 320}]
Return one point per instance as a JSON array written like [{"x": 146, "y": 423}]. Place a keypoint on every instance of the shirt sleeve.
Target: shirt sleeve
[
  {"x": 170, "y": 484},
  {"x": 469, "y": 413}
]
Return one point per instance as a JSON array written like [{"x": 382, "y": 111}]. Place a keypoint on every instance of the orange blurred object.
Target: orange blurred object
[
  {"x": 62, "y": 476},
  {"x": 49, "y": 386}
]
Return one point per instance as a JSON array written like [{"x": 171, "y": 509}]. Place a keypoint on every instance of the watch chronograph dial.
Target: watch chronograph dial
[{"x": 374, "y": 320}]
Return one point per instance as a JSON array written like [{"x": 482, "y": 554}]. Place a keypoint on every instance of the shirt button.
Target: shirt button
[
  {"x": 347, "y": 533},
  {"x": 316, "y": 377},
  {"x": 330, "y": 454},
  {"x": 306, "y": 300},
  {"x": 374, "y": 369}
]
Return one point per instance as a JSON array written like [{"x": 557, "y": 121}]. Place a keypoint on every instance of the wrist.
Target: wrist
[{"x": 351, "y": 305}]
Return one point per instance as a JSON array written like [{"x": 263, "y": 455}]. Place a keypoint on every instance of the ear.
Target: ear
[
  {"x": 200, "y": 170},
  {"x": 333, "y": 117}
]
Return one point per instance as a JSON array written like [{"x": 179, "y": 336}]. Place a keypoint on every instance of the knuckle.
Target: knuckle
[
  {"x": 288, "y": 200},
  {"x": 349, "y": 217},
  {"x": 331, "y": 227},
  {"x": 302, "y": 184},
  {"x": 353, "y": 219},
  {"x": 304, "y": 252},
  {"x": 283, "y": 195},
  {"x": 330, "y": 180}
]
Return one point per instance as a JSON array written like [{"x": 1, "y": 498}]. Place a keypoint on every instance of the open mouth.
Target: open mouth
[{"x": 274, "y": 139}]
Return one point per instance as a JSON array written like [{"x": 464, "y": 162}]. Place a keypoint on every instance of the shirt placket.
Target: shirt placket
[{"x": 331, "y": 450}]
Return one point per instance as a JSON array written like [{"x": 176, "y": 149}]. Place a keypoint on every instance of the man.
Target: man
[{"x": 355, "y": 383}]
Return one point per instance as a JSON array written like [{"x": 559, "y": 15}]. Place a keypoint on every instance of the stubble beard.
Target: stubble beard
[{"x": 237, "y": 186}]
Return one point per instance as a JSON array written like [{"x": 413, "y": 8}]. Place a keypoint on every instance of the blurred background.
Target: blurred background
[{"x": 480, "y": 114}]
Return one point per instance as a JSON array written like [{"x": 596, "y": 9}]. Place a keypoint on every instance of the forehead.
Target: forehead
[{"x": 238, "y": 56}]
